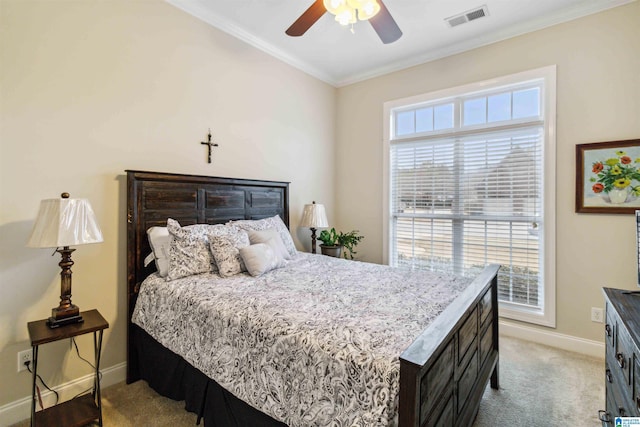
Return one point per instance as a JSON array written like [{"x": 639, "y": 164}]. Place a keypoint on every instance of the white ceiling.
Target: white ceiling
[{"x": 333, "y": 54}]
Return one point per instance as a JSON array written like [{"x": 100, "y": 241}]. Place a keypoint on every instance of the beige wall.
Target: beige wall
[
  {"x": 89, "y": 89},
  {"x": 598, "y": 99}
]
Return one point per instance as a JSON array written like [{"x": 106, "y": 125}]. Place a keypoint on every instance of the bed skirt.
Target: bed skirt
[{"x": 171, "y": 376}]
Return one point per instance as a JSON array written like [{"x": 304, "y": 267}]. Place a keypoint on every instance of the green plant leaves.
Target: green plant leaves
[{"x": 348, "y": 240}]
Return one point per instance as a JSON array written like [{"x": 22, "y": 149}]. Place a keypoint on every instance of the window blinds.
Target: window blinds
[{"x": 460, "y": 203}]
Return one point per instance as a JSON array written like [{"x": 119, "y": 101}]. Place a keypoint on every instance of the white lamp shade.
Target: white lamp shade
[
  {"x": 314, "y": 216},
  {"x": 64, "y": 222}
]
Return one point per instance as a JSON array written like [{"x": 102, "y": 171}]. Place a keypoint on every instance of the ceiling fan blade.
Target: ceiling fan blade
[
  {"x": 385, "y": 25},
  {"x": 307, "y": 19}
]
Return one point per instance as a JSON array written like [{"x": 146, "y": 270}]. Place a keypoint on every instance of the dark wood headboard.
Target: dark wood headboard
[{"x": 152, "y": 197}]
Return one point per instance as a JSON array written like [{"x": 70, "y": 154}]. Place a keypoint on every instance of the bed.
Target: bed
[{"x": 439, "y": 378}]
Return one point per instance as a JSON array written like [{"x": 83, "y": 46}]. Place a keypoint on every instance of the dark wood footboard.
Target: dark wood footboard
[{"x": 444, "y": 372}]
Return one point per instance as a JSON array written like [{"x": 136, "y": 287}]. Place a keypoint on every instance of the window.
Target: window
[{"x": 470, "y": 182}]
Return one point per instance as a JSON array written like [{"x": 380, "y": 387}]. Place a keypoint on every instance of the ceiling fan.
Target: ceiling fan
[{"x": 347, "y": 12}]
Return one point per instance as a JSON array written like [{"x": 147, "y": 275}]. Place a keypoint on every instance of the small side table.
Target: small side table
[{"x": 83, "y": 409}]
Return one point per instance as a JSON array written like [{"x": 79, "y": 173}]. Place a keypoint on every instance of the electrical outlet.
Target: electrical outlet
[
  {"x": 597, "y": 314},
  {"x": 23, "y": 357}
]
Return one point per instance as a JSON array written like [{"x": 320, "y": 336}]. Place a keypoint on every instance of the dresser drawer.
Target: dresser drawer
[
  {"x": 610, "y": 328},
  {"x": 622, "y": 365},
  {"x": 606, "y": 416},
  {"x": 618, "y": 400},
  {"x": 636, "y": 383},
  {"x": 624, "y": 356},
  {"x": 616, "y": 405}
]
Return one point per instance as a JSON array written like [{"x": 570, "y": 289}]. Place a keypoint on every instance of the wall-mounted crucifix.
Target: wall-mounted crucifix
[{"x": 209, "y": 145}]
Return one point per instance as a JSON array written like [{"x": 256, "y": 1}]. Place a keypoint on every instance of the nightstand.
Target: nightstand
[{"x": 80, "y": 410}]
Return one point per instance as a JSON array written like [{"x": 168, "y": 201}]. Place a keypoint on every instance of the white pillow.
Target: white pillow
[
  {"x": 260, "y": 258},
  {"x": 270, "y": 237},
  {"x": 274, "y": 222},
  {"x": 160, "y": 242}
]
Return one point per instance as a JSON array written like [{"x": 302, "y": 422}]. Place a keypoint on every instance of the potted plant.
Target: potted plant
[{"x": 333, "y": 243}]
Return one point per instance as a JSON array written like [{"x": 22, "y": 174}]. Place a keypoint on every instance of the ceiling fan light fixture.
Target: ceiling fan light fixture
[
  {"x": 366, "y": 9},
  {"x": 350, "y": 11},
  {"x": 346, "y": 16},
  {"x": 334, "y": 6},
  {"x": 381, "y": 20}
]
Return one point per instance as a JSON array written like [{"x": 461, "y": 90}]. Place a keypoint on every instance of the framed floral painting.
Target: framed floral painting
[{"x": 608, "y": 177}]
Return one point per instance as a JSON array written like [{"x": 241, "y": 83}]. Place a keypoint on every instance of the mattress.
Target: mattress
[{"x": 315, "y": 343}]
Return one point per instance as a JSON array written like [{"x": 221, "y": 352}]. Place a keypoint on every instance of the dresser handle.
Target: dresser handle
[
  {"x": 621, "y": 411},
  {"x": 607, "y": 330},
  {"x": 620, "y": 359},
  {"x": 608, "y": 374},
  {"x": 638, "y": 402},
  {"x": 604, "y": 416}
]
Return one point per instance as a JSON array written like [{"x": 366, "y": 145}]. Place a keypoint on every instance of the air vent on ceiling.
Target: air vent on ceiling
[{"x": 468, "y": 16}]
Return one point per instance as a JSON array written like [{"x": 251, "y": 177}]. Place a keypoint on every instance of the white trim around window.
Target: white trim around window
[{"x": 547, "y": 315}]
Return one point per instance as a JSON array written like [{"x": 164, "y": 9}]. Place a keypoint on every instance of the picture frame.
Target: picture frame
[{"x": 608, "y": 177}]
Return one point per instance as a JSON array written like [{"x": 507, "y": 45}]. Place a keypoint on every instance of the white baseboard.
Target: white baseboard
[
  {"x": 19, "y": 410},
  {"x": 553, "y": 339}
]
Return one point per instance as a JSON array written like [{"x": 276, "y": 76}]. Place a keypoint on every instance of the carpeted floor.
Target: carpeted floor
[
  {"x": 539, "y": 386},
  {"x": 543, "y": 386}
]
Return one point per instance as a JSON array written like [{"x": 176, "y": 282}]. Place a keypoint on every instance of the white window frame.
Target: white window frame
[{"x": 547, "y": 316}]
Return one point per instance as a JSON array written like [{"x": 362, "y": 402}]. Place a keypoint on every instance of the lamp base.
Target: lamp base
[
  {"x": 313, "y": 240},
  {"x": 56, "y": 323},
  {"x": 64, "y": 315}
]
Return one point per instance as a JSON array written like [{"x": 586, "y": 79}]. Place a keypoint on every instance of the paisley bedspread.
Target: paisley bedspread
[{"x": 315, "y": 343}]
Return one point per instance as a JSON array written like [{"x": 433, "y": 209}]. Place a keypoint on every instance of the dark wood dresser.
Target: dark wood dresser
[{"x": 622, "y": 370}]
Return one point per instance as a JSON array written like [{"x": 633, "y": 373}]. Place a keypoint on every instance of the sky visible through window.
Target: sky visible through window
[{"x": 512, "y": 105}]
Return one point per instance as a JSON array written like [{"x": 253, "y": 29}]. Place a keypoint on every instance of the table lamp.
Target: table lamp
[
  {"x": 314, "y": 217},
  {"x": 62, "y": 223}
]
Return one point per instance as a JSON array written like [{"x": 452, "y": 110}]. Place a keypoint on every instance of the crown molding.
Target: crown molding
[{"x": 579, "y": 10}]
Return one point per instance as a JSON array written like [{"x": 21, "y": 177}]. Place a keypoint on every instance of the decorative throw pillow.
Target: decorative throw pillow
[
  {"x": 270, "y": 237},
  {"x": 189, "y": 249},
  {"x": 274, "y": 222},
  {"x": 225, "y": 251},
  {"x": 160, "y": 242},
  {"x": 260, "y": 258},
  {"x": 189, "y": 253}
]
